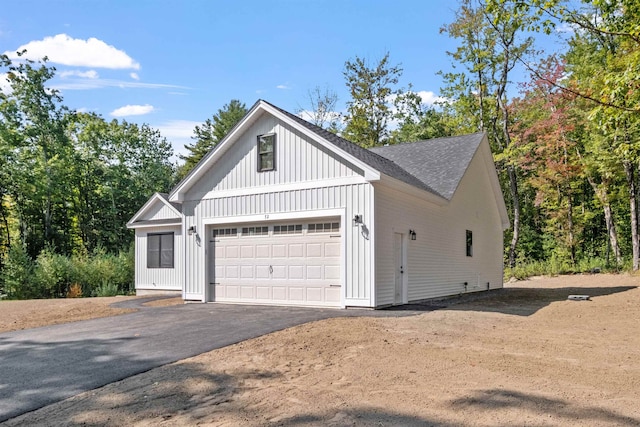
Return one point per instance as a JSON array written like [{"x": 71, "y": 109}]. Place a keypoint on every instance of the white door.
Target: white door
[
  {"x": 293, "y": 263},
  {"x": 398, "y": 250}
]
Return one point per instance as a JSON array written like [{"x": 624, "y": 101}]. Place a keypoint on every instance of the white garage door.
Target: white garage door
[{"x": 288, "y": 263}]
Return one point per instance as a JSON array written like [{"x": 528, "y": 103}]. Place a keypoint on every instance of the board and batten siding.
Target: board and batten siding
[
  {"x": 308, "y": 177},
  {"x": 158, "y": 279},
  {"x": 437, "y": 264},
  {"x": 160, "y": 211},
  {"x": 350, "y": 199},
  {"x": 297, "y": 160}
]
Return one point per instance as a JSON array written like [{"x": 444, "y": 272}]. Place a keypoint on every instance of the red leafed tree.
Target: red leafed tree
[{"x": 546, "y": 144}]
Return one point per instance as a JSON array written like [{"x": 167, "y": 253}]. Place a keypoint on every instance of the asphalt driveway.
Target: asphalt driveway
[{"x": 44, "y": 365}]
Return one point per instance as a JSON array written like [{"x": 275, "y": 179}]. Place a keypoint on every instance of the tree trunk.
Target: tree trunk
[
  {"x": 572, "y": 245},
  {"x": 513, "y": 187},
  {"x": 629, "y": 169},
  {"x": 611, "y": 229}
]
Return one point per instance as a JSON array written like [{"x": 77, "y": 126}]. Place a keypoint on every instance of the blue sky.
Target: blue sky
[{"x": 173, "y": 64}]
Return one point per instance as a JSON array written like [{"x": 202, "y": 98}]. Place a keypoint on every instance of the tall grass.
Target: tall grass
[
  {"x": 555, "y": 267},
  {"x": 53, "y": 275}
]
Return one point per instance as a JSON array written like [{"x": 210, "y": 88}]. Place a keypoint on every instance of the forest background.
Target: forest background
[{"x": 566, "y": 145}]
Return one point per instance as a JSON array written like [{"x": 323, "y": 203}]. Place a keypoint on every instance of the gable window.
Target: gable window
[
  {"x": 266, "y": 152},
  {"x": 160, "y": 250},
  {"x": 469, "y": 243}
]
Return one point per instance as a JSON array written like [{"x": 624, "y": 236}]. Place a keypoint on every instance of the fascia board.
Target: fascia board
[
  {"x": 177, "y": 194},
  {"x": 370, "y": 173},
  {"x": 152, "y": 200}
]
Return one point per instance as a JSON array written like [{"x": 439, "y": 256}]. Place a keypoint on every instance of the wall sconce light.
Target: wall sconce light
[
  {"x": 357, "y": 220},
  {"x": 412, "y": 234},
  {"x": 191, "y": 230}
]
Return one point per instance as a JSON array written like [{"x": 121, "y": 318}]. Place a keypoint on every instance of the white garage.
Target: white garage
[
  {"x": 293, "y": 262},
  {"x": 284, "y": 212}
]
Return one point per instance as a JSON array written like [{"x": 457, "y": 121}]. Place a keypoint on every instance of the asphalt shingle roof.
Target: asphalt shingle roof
[
  {"x": 436, "y": 165},
  {"x": 440, "y": 163}
]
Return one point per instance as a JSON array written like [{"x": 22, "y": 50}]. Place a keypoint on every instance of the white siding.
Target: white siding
[
  {"x": 437, "y": 264},
  {"x": 297, "y": 160},
  {"x": 351, "y": 199},
  {"x": 159, "y": 211},
  {"x": 159, "y": 279}
]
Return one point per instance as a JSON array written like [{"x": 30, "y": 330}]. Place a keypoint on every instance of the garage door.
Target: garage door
[{"x": 287, "y": 263}]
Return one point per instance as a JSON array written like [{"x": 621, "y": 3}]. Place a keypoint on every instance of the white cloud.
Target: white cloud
[
  {"x": 134, "y": 76},
  {"x": 91, "y": 74},
  {"x": 179, "y": 133},
  {"x": 283, "y": 87},
  {"x": 85, "y": 84},
  {"x": 5, "y": 87},
  {"x": 62, "y": 49},
  {"x": 132, "y": 110},
  {"x": 430, "y": 98}
]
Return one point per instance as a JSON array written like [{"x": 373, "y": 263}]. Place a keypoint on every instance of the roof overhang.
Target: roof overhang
[
  {"x": 153, "y": 200},
  {"x": 259, "y": 108}
]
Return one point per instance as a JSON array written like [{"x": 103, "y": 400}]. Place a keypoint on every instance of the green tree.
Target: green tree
[
  {"x": 491, "y": 44},
  {"x": 321, "y": 111},
  {"x": 210, "y": 133},
  {"x": 416, "y": 120},
  {"x": 369, "y": 110}
]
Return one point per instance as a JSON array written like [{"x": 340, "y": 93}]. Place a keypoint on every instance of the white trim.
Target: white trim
[
  {"x": 165, "y": 225},
  {"x": 372, "y": 244},
  {"x": 146, "y": 206},
  {"x": 305, "y": 185},
  {"x": 177, "y": 194},
  {"x": 495, "y": 183},
  {"x": 192, "y": 297},
  {"x": 280, "y": 216},
  {"x": 370, "y": 174},
  {"x": 207, "y": 224}
]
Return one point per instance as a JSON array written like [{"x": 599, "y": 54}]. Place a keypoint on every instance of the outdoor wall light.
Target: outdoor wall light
[
  {"x": 412, "y": 234},
  {"x": 357, "y": 220},
  {"x": 191, "y": 230}
]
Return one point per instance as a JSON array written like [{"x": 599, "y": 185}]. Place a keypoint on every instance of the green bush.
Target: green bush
[
  {"x": 52, "y": 275},
  {"x": 16, "y": 276}
]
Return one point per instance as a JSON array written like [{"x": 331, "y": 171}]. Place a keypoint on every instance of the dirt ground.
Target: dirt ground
[
  {"x": 522, "y": 356},
  {"x": 16, "y": 315}
]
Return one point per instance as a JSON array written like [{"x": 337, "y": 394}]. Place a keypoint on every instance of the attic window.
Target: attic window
[{"x": 266, "y": 152}]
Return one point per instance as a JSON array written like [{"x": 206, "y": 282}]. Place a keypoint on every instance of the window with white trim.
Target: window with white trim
[
  {"x": 325, "y": 227},
  {"x": 225, "y": 232},
  {"x": 266, "y": 152},
  {"x": 160, "y": 250},
  {"x": 255, "y": 231},
  {"x": 287, "y": 229}
]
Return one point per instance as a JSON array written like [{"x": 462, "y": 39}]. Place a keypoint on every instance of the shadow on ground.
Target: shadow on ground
[
  {"x": 190, "y": 394},
  {"x": 496, "y": 400},
  {"x": 515, "y": 301},
  {"x": 57, "y": 370}
]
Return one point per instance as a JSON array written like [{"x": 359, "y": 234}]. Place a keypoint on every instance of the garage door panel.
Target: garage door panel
[
  {"x": 315, "y": 294},
  {"x": 246, "y": 251},
  {"x": 296, "y": 250},
  {"x": 263, "y": 293},
  {"x": 296, "y": 272},
  {"x": 279, "y": 293},
  {"x": 314, "y": 250},
  {"x": 247, "y": 292},
  {"x": 314, "y": 272},
  {"x": 296, "y": 294},
  {"x": 332, "y": 249},
  {"x": 332, "y": 272},
  {"x": 278, "y": 251},
  {"x": 283, "y": 267},
  {"x": 246, "y": 272},
  {"x": 263, "y": 251}
]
